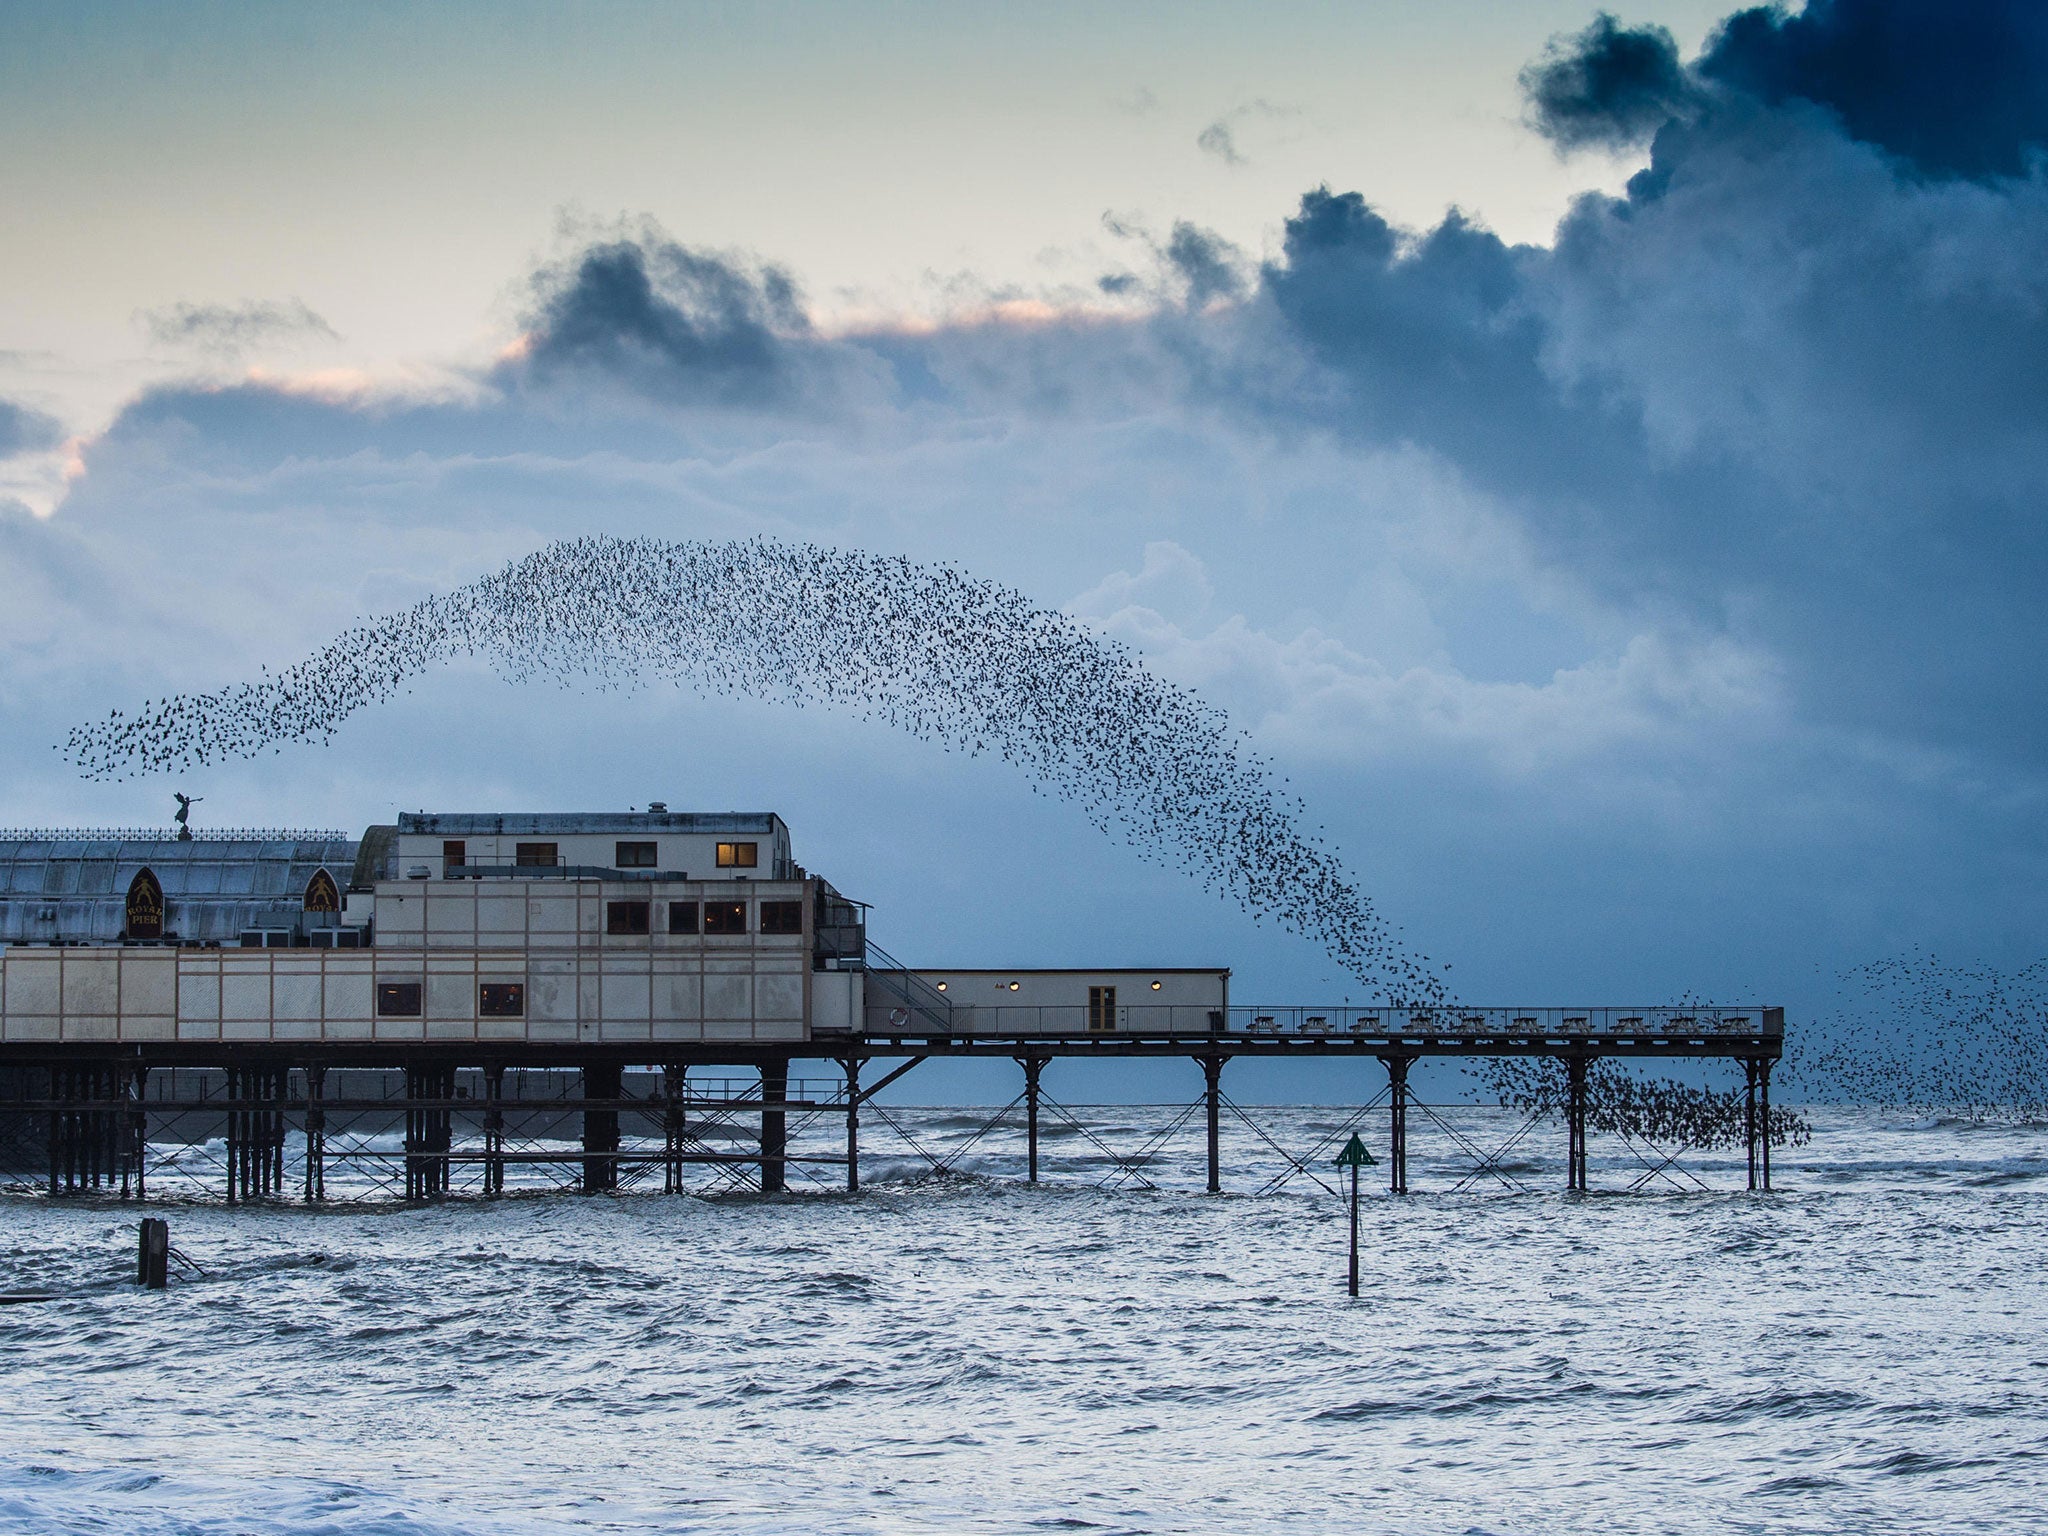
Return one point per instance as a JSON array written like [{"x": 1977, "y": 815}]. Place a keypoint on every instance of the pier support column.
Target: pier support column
[
  {"x": 1212, "y": 1104},
  {"x": 601, "y": 1080},
  {"x": 1397, "y": 1123},
  {"x": 316, "y": 1134},
  {"x": 429, "y": 1130},
  {"x": 1575, "y": 1122},
  {"x": 237, "y": 1142},
  {"x": 1763, "y": 1075},
  {"x": 494, "y": 1128},
  {"x": 138, "y": 1133},
  {"x": 1032, "y": 1065},
  {"x": 774, "y": 1125},
  {"x": 674, "y": 1083},
  {"x": 1749, "y": 1120},
  {"x": 851, "y": 1066}
]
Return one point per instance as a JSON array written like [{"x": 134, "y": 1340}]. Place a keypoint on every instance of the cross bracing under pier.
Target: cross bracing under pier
[{"x": 427, "y": 1120}]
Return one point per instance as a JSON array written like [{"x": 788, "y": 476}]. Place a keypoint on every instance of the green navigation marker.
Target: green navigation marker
[{"x": 1354, "y": 1155}]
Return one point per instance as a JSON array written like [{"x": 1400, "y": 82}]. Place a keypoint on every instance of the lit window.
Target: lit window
[
  {"x": 725, "y": 917},
  {"x": 782, "y": 917},
  {"x": 398, "y": 1000},
  {"x": 739, "y": 855},
  {"x": 635, "y": 856},
  {"x": 625, "y": 916},
  {"x": 682, "y": 917},
  {"x": 501, "y": 1000},
  {"x": 536, "y": 855}
]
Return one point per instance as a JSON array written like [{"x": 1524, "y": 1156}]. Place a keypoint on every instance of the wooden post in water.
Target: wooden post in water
[{"x": 153, "y": 1259}]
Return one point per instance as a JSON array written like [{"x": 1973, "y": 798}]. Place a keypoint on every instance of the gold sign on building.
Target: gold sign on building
[
  {"x": 145, "y": 914},
  {"x": 321, "y": 895}
]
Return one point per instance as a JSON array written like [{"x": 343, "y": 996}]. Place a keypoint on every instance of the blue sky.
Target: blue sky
[{"x": 1599, "y": 463}]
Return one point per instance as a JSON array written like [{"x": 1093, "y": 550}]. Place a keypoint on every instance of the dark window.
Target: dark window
[
  {"x": 635, "y": 856},
  {"x": 625, "y": 916},
  {"x": 782, "y": 917},
  {"x": 454, "y": 854},
  {"x": 739, "y": 855},
  {"x": 725, "y": 917},
  {"x": 536, "y": 856},
  {"x": 501, "y": 1000},
  {"x": 1101, "y": 1008},
  {"x": 398, "y": 1000},
  {"x": 682, "y": 917}
]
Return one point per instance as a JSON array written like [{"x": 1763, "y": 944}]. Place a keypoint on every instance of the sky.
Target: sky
[{"x": 1596, "y": 457}]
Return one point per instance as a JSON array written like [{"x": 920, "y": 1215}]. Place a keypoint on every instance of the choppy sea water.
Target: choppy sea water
[{"x": 1865, "y": 1350}]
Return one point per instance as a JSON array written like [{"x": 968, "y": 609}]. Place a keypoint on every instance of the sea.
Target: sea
[{"x": 954, "y": 1349}]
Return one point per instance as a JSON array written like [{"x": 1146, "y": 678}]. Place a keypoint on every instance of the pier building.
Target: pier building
[{"x": 265, "y": 970}]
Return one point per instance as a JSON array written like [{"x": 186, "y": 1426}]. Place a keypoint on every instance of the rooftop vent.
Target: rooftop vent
[{"x": 657, "y": 807}]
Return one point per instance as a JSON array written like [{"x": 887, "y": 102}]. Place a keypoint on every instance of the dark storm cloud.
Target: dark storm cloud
[
  {"x": 1958, "y": 88},
  {"x": 1953, "y": 89},
  {"x": 23, "y": 430},
  {"x": 1205, "y": 262},
  {"x": 234, "y": 327},
  {"x": 668, "y": 322},
  {"x": 1608, "y": 87}
]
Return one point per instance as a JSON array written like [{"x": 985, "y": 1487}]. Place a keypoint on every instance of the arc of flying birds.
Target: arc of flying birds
[{"x": 969, "y": 665}]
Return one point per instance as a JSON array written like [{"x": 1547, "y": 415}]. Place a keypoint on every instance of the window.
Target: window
[
  {"x": 635, "y": 856},
  {"x": 625, "y": 916},
  {"x": 501, "y": 1000},
  {"x": 682, "y": 917},
  {"x": 725, "y": 917},
  {"x": 398, "y": 1000},
  {"x": 1101, "y": 1009},
  {"x": 782, "y": 917},
  {"x": 454, "y": 854},
  {"x": 739, "y": 855},
  {"x": 536, "y": 856}
]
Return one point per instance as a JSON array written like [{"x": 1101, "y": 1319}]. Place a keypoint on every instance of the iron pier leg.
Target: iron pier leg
[
  {"x": 138, "y": 1131},
  {"x": 1575, "y": 1123},
  {"x": 1397, "y": 1124},
  {"x": 1212, "y": 1102},
  {"x": 236, "y": 1115},
  {"x": 1764, "y": 1114},
  {"x": 603, "y": 1080},
  {"x": 494, "y": 1129},
  {"x": 1032, "y": 1065},
  {"x": 316, "y": 1133},
  {"x": 852, "y": 1068},
  {"x": 674, "y": 1081},
  {"x": 774, "y": 1124},
  {"x": 1749, "y": 1114}
]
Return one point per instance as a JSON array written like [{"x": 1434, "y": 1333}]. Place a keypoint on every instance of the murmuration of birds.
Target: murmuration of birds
[
  {"x": 960, "y": 662},
  {"x": 1917, "y": 1034},
  {"x": 1663, "y": 1112}
]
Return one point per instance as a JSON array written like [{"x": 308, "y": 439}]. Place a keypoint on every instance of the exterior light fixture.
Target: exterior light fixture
[
  {"x": 1013, "y": 986},
  {"x": 942, "y": 986},
  {"x": 1155, "y": 986}
]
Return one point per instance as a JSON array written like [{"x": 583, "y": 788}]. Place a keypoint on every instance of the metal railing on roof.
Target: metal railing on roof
[{"x": 170, "y": 835}]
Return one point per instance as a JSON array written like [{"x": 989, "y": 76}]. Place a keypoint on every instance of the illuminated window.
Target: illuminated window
[
  {"x": 536, "y": 855},
  {"x": 682, "y": 917},
  {"x": 626, "y": 916},
  {"x": 635, "y": 856},
  {"x": 1101, "y": 1009},
  {"x": 725, "y": 917},
  {"x": 501, "y": 1000},
  {"x": 398, "y": 1000},
  {"x": 454, "y": 853},
  {"x": 782, "y": 917},
  {"x": 739, "y": 855}
]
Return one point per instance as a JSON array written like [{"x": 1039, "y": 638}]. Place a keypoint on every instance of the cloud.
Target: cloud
[
  {"x": 1208, "y": 264},
  {"x": 235, "y": 328},
  {"x": 1608, "y": 87},
  {"x": 666, "y": 321},
  {"x": 1221, "y": 138},
  {"x": 1955, "y": 89},
  {"x": 24, "y": 429}
]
